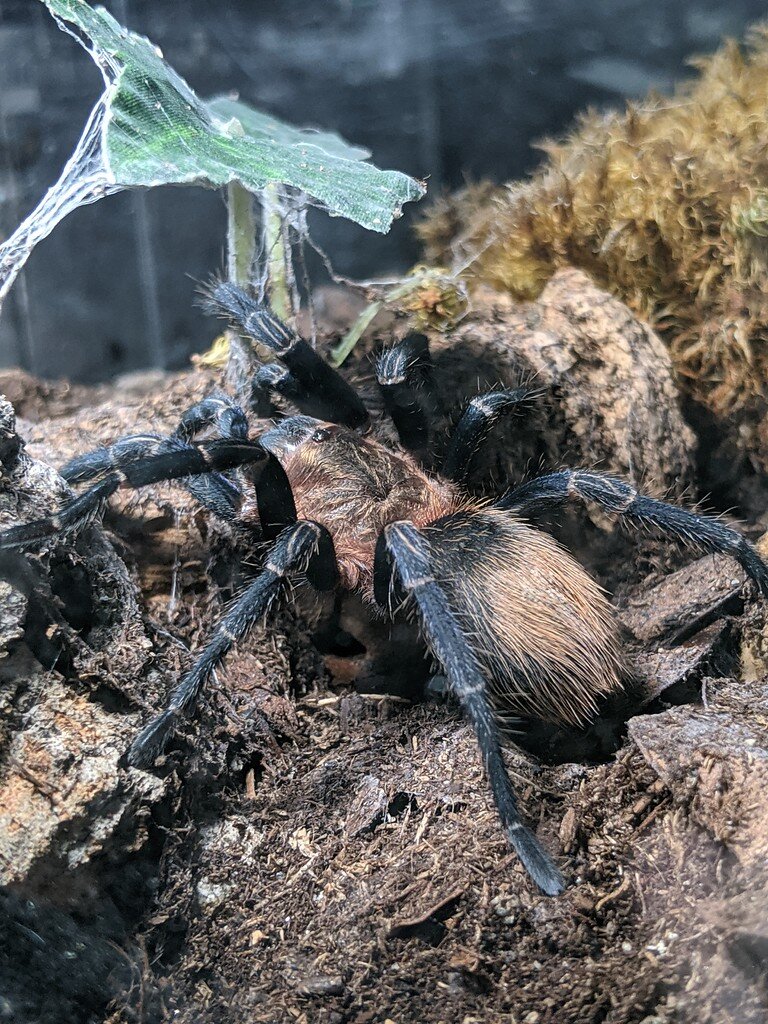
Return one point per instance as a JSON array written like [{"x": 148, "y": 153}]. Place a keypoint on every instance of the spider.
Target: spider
[{"x": 517, "y": 625}]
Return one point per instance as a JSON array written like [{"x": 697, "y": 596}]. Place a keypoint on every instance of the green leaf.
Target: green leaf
[
  {"x": 259, "y": 125},
  {"x": 159, "y": 132},
  {"x": 149, "y": 128}
]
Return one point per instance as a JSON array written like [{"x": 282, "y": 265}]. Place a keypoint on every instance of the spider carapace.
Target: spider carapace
[{"x": 516, "y": 624}]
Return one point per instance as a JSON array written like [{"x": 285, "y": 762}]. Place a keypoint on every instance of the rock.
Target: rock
[
  {"x": 658, "y": 669},
  {"x": 685, "y": 601},
  {"x": 321, "y": 985},
  {"x": 368, "y": 809}
]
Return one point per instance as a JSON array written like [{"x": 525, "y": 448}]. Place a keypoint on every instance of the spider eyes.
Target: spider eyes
[{"x": 322, "y": 434}]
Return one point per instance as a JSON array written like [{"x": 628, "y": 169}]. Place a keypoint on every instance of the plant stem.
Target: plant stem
[
  {"x": 241, "y": 234},
  {"x": 241, "y": 253},
  {"x": 277, "y": 255},
  {"x": 340, "y": 352}
]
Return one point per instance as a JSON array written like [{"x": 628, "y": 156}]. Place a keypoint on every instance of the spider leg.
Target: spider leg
[
  {"x": 404, "y": 375},
  {"x": 213, "y": 491},
  {"x": 218, "y": 409},
  {"x": 164, "y": 464},
  {"x": 99, "y": 461},
  {"x": 620, "y": 499},
  {"x": 273, "y": 377},
  {"x": 303, "y": 545},
  {"x": 474, "y": 426},
  {"x": 274, "y": 497},
  {"x": 405, "y": 549},
  {"x": 320, "y": 391}
]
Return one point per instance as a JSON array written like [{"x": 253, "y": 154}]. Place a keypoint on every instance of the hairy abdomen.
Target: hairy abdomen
[{"x": 540, "y": 625}]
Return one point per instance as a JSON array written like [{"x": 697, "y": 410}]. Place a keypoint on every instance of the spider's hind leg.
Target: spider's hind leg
[
  {"x": 618, "y": 498},
  {"x": 404, "y": 552}
]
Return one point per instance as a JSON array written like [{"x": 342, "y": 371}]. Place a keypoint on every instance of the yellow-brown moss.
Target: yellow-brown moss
[
  {"x": 434, "y": 298},
  {"x": 666, "y": 204}
]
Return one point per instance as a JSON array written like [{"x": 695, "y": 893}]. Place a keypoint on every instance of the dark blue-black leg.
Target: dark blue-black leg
[
  {"x": 213, "y": 491},
  {"x": 320, "y": 391},
  {"x": 102, "y": 460},
  {"x": 165, "y": 463},
  {"x": 403, "y": 552},
  {"x": 219, "y": 410},
  {"x": 273, "y": 378},
  {"x": 303, "y": 546},
  {"x": 404, "y": 375},
  {"x": 474, "y": 426},
  {"x": 632, "y": 509}
]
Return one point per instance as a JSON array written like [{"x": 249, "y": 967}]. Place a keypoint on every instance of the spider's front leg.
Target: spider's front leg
[
  {"x": 315, "y": 387},
  {"x": 304, "y": 545},
  {"x": 217, "y": 409},
  {"x": 404, "y": 376},
  {"x": 403, "y": 551},
  {"x": 213, "y": 490},
  {"x": 165, "y": 464},
  {"x": 618, "y": 498}
]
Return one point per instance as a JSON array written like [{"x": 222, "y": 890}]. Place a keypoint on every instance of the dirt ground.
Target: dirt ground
[{"x": 312, "y": 854}]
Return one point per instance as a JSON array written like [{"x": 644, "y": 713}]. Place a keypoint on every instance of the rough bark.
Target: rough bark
[
  {"x": 609, "y": 396},
  {"x": 62, "y": 796}
]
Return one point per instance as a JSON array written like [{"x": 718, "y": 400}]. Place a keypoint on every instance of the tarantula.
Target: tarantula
[{"x": 515, "y": 622}]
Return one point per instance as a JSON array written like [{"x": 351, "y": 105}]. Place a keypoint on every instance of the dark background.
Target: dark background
[{"x": 449, "y": 89}]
